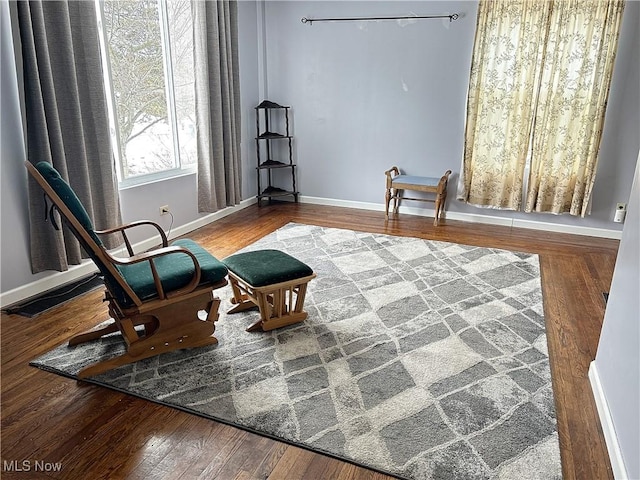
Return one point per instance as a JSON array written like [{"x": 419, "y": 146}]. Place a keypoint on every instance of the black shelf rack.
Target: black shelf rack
[{"x": 270, "y": 114}]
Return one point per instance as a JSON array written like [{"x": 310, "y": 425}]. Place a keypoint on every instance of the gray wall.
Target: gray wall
[
  {"x": 14, "y": 229},
  {"x": 369, "y": 95},
  {"x": 618, "y": 357}
]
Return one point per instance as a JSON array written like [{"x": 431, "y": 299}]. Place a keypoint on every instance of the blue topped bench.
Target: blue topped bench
[{"x": 397, "y": 183}]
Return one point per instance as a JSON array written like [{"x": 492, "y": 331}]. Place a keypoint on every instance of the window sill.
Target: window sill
[{"x": 155, "y": 178}]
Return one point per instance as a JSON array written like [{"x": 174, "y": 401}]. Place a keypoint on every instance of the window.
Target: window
[{"x": 147, "y": 48}]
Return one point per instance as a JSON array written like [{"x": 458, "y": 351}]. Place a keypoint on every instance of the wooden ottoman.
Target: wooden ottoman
[{"x": 273, "y": 281}]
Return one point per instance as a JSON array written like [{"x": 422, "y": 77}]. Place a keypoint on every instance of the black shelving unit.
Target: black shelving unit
[{"x": 272, "y": 115}]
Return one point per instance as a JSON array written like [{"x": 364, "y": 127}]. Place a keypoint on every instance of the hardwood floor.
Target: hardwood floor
[{"x": 93, "y": 432}]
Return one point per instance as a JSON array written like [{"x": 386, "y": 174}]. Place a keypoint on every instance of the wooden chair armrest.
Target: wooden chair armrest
[
  {"x": 393, "y": 170},
  {"x": 122, "y": 229},
  {"x": 150, "y": 256},
  {"x": 388, "y": 173},
  {"x": 442, "y": 184}
]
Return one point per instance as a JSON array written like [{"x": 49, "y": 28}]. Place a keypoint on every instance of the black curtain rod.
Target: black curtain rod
[{"x": 310, "y": 21}]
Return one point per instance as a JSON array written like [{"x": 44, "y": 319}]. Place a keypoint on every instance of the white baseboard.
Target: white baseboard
[
  {"x": 87, "y": 267},
  {"x": 608, "y": 428},
  {"x": 572, "y": 229},
  {"x": 473, "y": 218}
]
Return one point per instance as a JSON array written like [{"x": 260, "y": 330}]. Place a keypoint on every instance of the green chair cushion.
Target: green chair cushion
[
  {"x": 175, "y": 270},
  {"x": 266, "y": 267}
]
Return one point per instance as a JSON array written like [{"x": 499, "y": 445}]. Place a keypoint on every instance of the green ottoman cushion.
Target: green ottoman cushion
[
  {"x": 266, "y": 267},
  {"x": 175, "y": 270}
]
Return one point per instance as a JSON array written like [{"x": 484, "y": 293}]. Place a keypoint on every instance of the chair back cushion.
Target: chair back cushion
[
  {"x": 69, "y": 197},
  {"x": 71, "y": 201}
]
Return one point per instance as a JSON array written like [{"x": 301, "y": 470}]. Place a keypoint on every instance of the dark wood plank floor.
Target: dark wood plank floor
[{"x": 95, "y": 433}]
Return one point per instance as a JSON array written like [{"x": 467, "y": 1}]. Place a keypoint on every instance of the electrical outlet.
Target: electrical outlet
[
  {"x": 621, "y": 210},
  {"x": 164, "y": 209}
]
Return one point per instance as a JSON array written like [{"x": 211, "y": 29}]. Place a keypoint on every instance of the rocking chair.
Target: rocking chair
[{"x": 155, "y": 298}]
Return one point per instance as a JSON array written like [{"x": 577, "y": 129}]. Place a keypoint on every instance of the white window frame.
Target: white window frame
[{"x": 178, "y": 169}]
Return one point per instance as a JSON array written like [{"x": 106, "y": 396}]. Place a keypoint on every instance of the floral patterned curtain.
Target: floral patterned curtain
[
  {"x": 575, "y": 81},
  {"x": 534, "y": 64},
  {"x": 501, "y": 101}
]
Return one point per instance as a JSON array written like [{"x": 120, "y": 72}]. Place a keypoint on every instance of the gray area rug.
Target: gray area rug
[{"x": 421, "y": 359}]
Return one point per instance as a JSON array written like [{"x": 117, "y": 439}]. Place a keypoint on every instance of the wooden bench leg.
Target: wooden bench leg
[
  {"x": 439, "y": 204},
  {"x": 441, "y": 198},
  {"x": 392, "y": 194},
  {"x": 396, "y": 200},
  {"x": 387, "y": 200}
]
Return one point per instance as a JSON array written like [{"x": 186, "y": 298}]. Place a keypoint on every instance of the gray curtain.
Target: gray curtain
[
  {"x": 66, "y": 121},
  {"x": 217, "y": 84}
]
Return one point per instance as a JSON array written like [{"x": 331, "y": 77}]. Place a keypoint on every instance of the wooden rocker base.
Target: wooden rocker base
[
  {"x": 163, "y": 326},
  {"x": 280, "y": 304}
]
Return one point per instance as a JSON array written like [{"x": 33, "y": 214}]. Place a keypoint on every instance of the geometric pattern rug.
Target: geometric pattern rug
[{"x": 421, "y": 359}]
